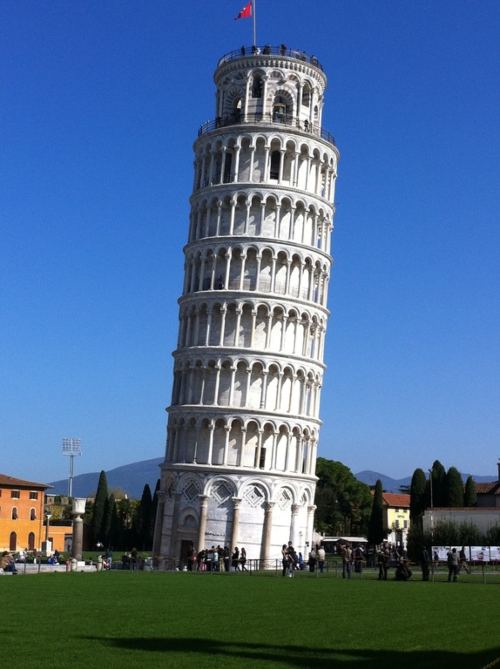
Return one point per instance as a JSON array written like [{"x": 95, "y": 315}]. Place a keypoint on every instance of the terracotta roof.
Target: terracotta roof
[
  {"x": 396, "y": 499},
  {"x": 11, "y": 482},
  {"x": 485, "y": 488}
]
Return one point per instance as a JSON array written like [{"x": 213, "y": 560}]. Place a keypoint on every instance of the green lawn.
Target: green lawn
[{"x": 125, "y": 619}]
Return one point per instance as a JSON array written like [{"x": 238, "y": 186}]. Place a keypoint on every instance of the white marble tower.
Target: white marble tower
[{"x": 244, "y": 420}]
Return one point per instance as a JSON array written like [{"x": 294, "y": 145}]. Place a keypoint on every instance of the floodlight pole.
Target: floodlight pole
[{"x": 71, "y": 448}]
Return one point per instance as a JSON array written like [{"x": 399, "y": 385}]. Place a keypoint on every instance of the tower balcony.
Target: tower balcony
[
  {"x": 267, "y": 50},
  {"x": 270, "y": 119}
]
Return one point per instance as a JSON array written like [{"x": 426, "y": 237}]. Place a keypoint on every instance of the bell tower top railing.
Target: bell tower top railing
[{"x": 268, "y": 50}]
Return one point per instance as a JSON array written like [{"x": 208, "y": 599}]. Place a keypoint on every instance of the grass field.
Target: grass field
[{"x": 129, "y": 620}]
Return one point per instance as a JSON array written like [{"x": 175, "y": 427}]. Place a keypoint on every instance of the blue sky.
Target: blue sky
[{"x": 100, "y": 103}]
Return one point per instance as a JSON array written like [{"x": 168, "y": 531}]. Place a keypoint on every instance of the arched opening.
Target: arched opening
[
  {"x": 32, "y": 514},
  {"x": 282, "y": 111},
  {"x": 274, "y": 172},
  {"x": 14, "y": 514},
  {"x": 13, "y": 541},
  {"x": 31, "y": 541},
  {"x": 306, "y": 95},
  {"x": 257, "y": 86},
  {"x": 236, "y": 113}
]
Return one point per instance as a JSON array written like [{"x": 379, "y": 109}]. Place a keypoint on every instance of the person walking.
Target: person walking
[
  {"x": 462, "y": 561},
  {"x": 358, "y": 560},
  {"x": 424, "y": 564},
  {"x": 321, "y": 559},
  {"x": 312, "y": 560},
  {"x": 285, "y": 558},
  {"x": 452, "y": 565},
  {"x": 347, "y": 561},
  {"x": 235, "y": 558},
  {"x": 383, "y": 563},
  {"x": 243, "y": 558}
]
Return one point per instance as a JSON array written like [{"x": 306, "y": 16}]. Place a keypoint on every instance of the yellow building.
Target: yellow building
[
  {"x": 397, "y": 516},
  {"x": 21, "y": 514}
]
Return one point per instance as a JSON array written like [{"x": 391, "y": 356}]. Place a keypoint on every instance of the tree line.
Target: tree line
[
  {"x": 441, "y": 489},
  {"x": 120, "y": 524}
]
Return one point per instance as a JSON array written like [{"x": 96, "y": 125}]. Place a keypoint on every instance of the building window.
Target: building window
[
  {"x": 33, "y": 514},
  {"x": 396, "y": 524},
  {"x": 15, "y": 494},
  {"x": 406, "y": 524},
  {"x": 31, "y": 541},
  {"x": 33, "y": 494},
  {"x": 14, "y": 513}
]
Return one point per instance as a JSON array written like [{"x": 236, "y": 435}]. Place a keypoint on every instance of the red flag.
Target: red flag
[{"x": 246, "y": 12}]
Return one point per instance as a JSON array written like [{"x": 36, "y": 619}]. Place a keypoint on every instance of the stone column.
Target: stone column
[
  {"x": 175, "y": 524},
  {"x": 293, "y": 525},
  {"x": 236, "y": 522},
  {"x": 266, "y": 531},
  {"x": 203, "y": 521},
  {"x": 77, "y": 545},
  {"x": 310, "y": 523}
]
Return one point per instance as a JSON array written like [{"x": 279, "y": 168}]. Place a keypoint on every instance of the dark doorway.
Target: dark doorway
[
  {"x": 186, "y": 550},
  {"x": 13, "y": 541}
]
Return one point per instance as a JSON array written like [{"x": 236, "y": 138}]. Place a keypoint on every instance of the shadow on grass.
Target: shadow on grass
[{"x": 302, "y": 656}]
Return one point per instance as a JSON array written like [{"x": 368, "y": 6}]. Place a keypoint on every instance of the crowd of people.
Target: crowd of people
[{"x": 217, "y": 559}]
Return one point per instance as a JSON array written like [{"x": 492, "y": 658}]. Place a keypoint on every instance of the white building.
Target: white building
[{"x": 243, "y": 424}]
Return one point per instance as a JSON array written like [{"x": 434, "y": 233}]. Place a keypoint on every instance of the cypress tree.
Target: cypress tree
[
  {"x": 454, "y": 488},
  {"x": 99, "y": 509},
  {"x": 144, "y": 513},
  {"x": 470, "y": 495},
  {"x": 417, "y": 494},
  {"x": 376, "y": 531},
  {"x": 108, "y": 519},
  {"x": 438, "y": 484},
  {"x": 154, "y": 509}
]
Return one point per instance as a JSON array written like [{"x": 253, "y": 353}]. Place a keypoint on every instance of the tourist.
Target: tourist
[
  {"x": 227, "y": 558},
  {"x": 293, "y": 559},
  {"x": 285, "y": 560},
  {"x": 462, "y": 561},
  {"x": 235, "y": 558},
  {"x": 321, "y": 554},
  {"x": 383, "y": 563},
  {"x": 358, "y": 560},
  {"x": 220, "y": 555},
  {"x": 452, "y": 565},
  {"x": 424, "y": 564},
  {"x": 243, "y": 558},
  {"x": 312, "y": 560},
  {"x": 403, "y": 571},
  {"x": 346, "y": 553}
]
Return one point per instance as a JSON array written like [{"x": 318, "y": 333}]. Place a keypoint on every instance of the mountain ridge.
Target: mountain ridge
[{"x": 131, "y": 478}]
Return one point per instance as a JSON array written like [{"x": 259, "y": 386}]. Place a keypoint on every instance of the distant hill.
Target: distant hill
[
  {"x": 389, "y": 484},
  {"x": 130, "y": 478},
  {"x": 393, "y": 485}
]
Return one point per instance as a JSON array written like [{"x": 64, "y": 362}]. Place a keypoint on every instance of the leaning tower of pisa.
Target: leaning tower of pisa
[{"x": 243, "y": 424}]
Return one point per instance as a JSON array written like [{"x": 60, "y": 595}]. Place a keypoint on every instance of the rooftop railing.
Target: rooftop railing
[
  {"x": 267, "y": 119},
  {"x": 268, "y": 50}
]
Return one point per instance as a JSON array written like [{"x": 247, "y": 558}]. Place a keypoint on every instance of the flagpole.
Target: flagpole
[{"x": 254, "y": 23}]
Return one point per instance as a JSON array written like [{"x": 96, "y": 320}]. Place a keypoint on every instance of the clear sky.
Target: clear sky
[{"x": 100, "y": 103}]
